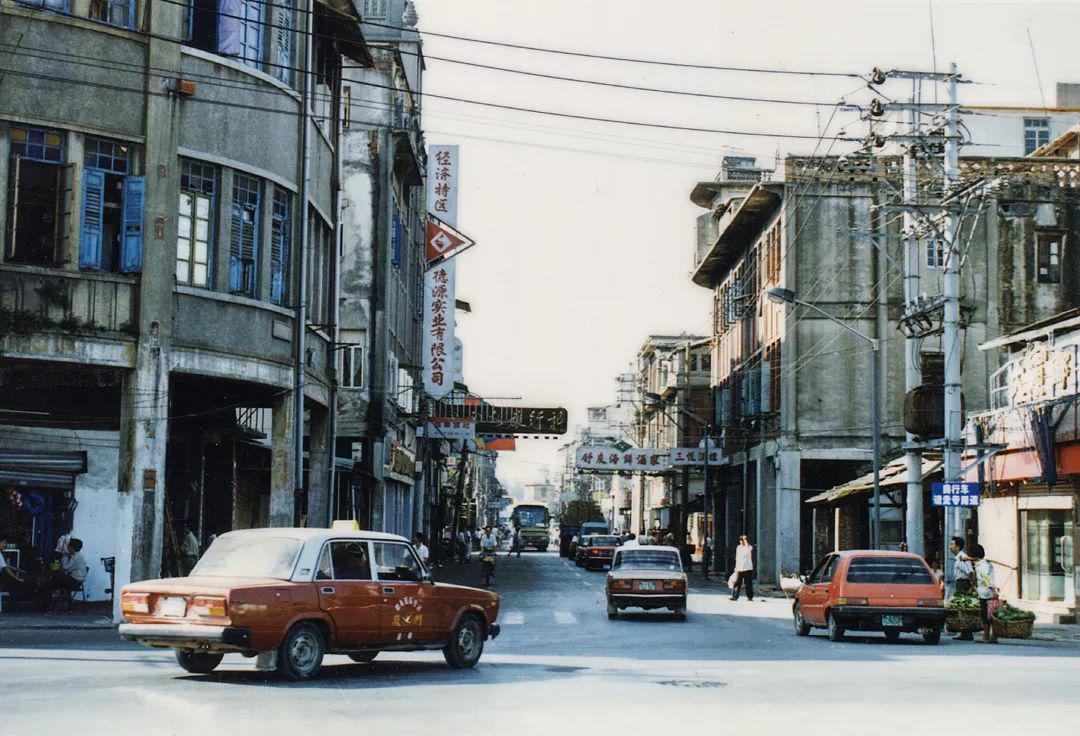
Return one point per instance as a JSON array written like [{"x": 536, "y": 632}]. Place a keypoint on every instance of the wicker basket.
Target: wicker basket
[
  {"x": 1013, "y": 629},
  {"x": 958, "y": 621}
]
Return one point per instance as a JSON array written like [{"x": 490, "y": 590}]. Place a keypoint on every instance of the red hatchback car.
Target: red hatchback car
[{"x": 859, "y": 590}]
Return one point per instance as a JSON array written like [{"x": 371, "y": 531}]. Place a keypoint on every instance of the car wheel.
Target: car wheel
[
  {"x": 612, "y": 611},
  {"x": 198, "y": 663},
  {"x": 363, "y": 657},
  {"x": 931, "y": 636},
  {"x": 466, "y": 643},
  {"x": 301, "y": 652},
  {"x": 801, "y": 627},
  {"x": 892, "y": 635},
  {"x": 836, "y": 631}
]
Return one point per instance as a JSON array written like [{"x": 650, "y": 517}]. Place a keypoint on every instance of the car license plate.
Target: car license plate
[
  {"x": 172, "y": 606},
  {"x": 646, "y": 585},
  {"x": 892, "y": 620}
]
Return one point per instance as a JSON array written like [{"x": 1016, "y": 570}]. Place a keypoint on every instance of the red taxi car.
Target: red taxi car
[
  {"x": 293, "y": 595},
  {"x": 646, "y": 577},
  {"x": 596, "y": 551},
  {"x": 858, "y": 590}
]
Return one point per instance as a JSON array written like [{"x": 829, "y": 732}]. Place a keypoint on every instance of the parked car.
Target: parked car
[
  {"x": 294, "y": 595},
  {"x": 596, "y": 551},
  {"x": 859, "y": 590},
  {"x": 648, "y": 578},
  {"x": 579, "y": 533}
]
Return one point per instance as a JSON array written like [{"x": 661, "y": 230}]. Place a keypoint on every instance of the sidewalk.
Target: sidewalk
[{"x": 95, "y": 616}]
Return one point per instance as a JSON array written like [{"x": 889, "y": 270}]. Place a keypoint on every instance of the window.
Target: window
[
  {"x": 111, "y": 237},
  {"x": 1049, "y": 249},
  {"x": 1036, "y": 134},
  {"x": 318, "y": 259},
  {"x": 120, "y": 13},
  {"x": 327, "y": 78},
  {"x": 351, "y": 365},
  {"x": 397, "y": 562},
  {"x": 39, "y": 197},
  {"x": 195, "y": 224},
  {"x": 890, "y": 570},
  {"x": 815, "y": 576},
  {"x": 349, "y": 560},
  {"x": 935, "y": 253},
  {"x": 374, "y": 8},
  {"x": 244, "y": 235},
  {"x": 239, "y": 30},
  {"x": 830, "y": 570},
  {"x": 283, "y": 35},
  {"x": 281, "y": 233}
]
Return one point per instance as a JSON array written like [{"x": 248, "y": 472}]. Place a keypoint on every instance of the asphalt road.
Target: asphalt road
[{"x": 560, "y": 664}]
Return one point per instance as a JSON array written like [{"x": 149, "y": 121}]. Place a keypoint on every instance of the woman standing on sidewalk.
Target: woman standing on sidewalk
[
  {"x": 986, "y": 589},
  {"x": 744, "y": 569}
]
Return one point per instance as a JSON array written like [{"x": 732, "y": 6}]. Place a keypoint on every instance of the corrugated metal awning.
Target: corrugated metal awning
[
  {"x": 43, "y": 470},
  {"x": 892, "y": 475}
]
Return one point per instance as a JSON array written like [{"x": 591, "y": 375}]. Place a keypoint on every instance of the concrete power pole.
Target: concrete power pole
[
  {"x": 912, "y": 367},
  {"x": 951, "y": 344}
]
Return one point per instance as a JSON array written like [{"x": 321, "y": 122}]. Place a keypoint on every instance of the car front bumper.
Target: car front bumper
[
  {"x": 868, "y": 618},
  {"x": 648, "y": 600},
  {"x": 193, "y": 636}
]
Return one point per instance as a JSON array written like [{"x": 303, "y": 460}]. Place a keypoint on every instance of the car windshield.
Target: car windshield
[
  {"x": 249, "y": 556},
  {"x": 531, "y": 517},
  {"x": 643, "y": 559},
  {"x": 604, "y": 541},
  {"x": 894, "y": 570}
]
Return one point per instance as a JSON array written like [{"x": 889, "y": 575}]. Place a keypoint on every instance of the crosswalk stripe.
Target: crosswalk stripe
[
  {"x": 565, "y": 617},
  {"x": 513, "y": 618}
]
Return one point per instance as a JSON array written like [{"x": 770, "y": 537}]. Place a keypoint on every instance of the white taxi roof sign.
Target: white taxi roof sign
[{"x": 350, "y": 524}]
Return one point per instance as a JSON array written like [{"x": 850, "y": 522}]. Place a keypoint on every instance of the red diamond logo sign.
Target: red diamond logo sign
[{"x": 442, "y": 241}]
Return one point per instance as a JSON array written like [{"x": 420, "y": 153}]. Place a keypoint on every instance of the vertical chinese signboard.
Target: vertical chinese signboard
[{"x": 439, "y": 289}]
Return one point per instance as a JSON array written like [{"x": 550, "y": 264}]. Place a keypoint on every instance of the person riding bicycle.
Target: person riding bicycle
[
  {"x": 488, "y": 544},
  {"x": 488, "y": 541}
]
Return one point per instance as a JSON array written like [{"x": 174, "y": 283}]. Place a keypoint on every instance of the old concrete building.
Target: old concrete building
[
  {"x": 380, "y": 305},
  {"x": 168, "y": 270},
  {"x": 792, "y": 394}
]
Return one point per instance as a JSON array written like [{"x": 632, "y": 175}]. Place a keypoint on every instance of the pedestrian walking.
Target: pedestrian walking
[
  {"x": 515, "y": 543},
  {"x": 744, "y": 569},
  {"x": 986, "y": 589},
  {"x": 189, "y": 549},
  {"x": 421, "y": 548}
]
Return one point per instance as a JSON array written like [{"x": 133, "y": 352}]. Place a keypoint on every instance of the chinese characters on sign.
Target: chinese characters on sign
[
  {"x": 494, "y": 419},
  {"x": 609, "y": 458},
  {"x": 450, "y": 428},
  {"x": 955, "y": 494},
  {"x": 442, "y": 183},
  {"x": 439, "y": 329},
  {"x": 695, "y": 456}
]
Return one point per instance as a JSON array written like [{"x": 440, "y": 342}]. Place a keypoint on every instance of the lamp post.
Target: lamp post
[
  {"x": 778, "y": 294},
  {"x": 655, "y": 400}
]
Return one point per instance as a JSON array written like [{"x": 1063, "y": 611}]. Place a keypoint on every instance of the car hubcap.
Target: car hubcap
[
  {"x": 467, "y": 641},
  {"x": 302, "y": 653},
  {"x": 798, "y": 617}
]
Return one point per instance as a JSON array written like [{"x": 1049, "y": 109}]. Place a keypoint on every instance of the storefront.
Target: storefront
[{"x": 1031, "y": 484}]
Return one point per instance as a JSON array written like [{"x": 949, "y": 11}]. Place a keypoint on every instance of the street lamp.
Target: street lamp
[
  {"x": 780, "y": 295},
  {"x": 655, "y": 400}
]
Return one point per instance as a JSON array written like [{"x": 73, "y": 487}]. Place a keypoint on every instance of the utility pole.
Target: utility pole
[
  {"x": 954, "y": 517},
  {"x": 912, "y": 367}
]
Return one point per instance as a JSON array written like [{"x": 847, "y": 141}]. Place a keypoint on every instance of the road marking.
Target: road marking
[
  {"x": 513, "y": 618},
  {"x": 565, "y": 617},
  {"x": 577, "y": 574}
]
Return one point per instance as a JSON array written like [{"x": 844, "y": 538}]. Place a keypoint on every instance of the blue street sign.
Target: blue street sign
[{"x": 955, "y": 494}]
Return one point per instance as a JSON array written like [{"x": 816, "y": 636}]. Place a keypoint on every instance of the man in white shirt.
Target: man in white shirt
[
  {"x": 488, "y": 540},
  {"x": 189, "y": 549},
  {"x": 963, "y": 570},
  {"x": 631, "y": 540},
  {"x": 421, "y": 548}
]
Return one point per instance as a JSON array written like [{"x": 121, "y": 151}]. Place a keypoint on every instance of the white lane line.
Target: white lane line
[
  {"x": 565, "y": 617},
  {"x": 577, "y": 574},
  {"x": 513, "y": 618}
]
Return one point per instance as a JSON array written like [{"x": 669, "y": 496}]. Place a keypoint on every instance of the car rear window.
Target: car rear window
[
  {"x": 641, "y": 559},
  {"x": 894, "y": 570},
  {"x": 243, "y": 555},
  {"x": 604, "y": 541}
]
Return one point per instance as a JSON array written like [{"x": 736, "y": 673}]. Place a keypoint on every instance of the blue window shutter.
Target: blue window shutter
[
  {"x": 132, "y": 244},
  {"x": 279, "y": 257},
  {"x": 396, "y": 255},
  {"x": 92, "y": 215},
  {"x": 236, "y": 236}
]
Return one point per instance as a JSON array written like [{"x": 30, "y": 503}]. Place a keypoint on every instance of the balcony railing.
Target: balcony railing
[{"x": 34, "y": 299}]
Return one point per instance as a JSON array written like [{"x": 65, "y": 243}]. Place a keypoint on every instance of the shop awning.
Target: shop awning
[
  {"x": 892, "y": 475},
  {"x": 341, "y": 21},
  {"x": 44, "y": 470}
]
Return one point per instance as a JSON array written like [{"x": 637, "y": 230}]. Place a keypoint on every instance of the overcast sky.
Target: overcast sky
[{"x": 585, "y": 229}]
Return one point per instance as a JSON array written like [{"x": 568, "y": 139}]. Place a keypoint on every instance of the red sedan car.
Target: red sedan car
[{"x": 859, "y": 590}]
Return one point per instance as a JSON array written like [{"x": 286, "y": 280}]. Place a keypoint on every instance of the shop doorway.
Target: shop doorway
[{"x": 1047, "y": 555}]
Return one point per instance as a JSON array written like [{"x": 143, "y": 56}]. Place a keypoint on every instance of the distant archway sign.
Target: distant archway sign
[{"x": 504, "y": 420}]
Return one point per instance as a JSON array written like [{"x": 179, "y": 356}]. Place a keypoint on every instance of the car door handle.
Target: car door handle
[
  {"x": 327, "y": 589},
  {"x": 388, "y": 590}
]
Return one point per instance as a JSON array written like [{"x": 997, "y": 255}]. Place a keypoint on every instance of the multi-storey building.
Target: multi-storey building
[
  {"x": 792, "y": 393},
  {"x": 167, "y": 272},
  {"x": 380, "y": 306}
]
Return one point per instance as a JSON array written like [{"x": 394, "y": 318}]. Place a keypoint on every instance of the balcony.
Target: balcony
[{"x": 36, "y": 299}]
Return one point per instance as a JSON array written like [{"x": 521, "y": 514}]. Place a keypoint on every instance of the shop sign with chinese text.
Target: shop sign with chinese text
[
  {"x": 496, "y": 419},
  {"x": 442, "y": 183},
  {"x": 955, "y": 494},
  {"x": 681, "y": 456},
  {"x": 645, "y": 459},
  {"x": 450, "y": 428},
  {"x": 439, "y": 364}
]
